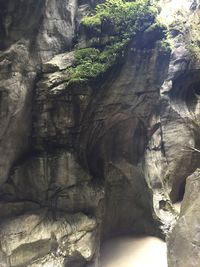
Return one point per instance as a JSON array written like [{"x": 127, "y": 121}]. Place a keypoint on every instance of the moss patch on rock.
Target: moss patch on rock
[
  {"x": 110, "y": 28},
  {"x": 91, "y": 63},
  {"x": 124, "y": 17},
  {"x": 194, "y": 36}
]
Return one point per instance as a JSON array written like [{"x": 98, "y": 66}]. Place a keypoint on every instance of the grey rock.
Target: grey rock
[
  {"x": 33, "y": 33},
  {"x": 33, "y": 236},
  {"x": 59, "y": 62},
  {"x": 184, "y": 238},
  {"x": 118, "y": 151},
  {"x": 114, "y": 136},
  {"x": 57, "y": 181},
  {"x": 60, "y": 111},
  {"x": 11, "y": 209}
]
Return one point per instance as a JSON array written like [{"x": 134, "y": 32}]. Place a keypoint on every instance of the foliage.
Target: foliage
[
  {"x": 117, "y": 22},
  {"x": 126, "y": 18},
  {"x": 91, "y": 62},
  {"x": 164, "y": 45},
  {"x": 194, "y": 48},
  {"x": 178, "y": 25},
  {"x": 188, "y": 28},
  {"x": 194, "y": 45}
]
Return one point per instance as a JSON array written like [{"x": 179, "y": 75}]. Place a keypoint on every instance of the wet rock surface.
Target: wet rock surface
[
  {"x": 83, "y": 163},
  {"x": 185, "y": 235}
]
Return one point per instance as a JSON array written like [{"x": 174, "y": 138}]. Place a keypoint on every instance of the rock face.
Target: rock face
[
  {"x": 35, "y": 235},
  {"x": 186, "y": 231},
  {"x": 82, "y": 163},
  {"x": 32, "y": 32},
  {"x": 115, "y": 119}
]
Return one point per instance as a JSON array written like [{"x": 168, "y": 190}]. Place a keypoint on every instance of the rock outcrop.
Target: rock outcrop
[
  {"x": 85, "y": 161},
  {"x": 184, "y": 239},
  {"x": 32, "y": 32}
]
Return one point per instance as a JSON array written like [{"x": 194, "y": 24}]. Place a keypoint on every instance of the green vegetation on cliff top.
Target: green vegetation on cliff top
[
  {"x": 194, "y": 33},
  {"x": 112, "y": 25},
  {"x": 124, "y": 17}
]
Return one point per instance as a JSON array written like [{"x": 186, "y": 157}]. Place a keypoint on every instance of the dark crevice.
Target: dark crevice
[
  {"x": 181, "y": 191},
  {"x": 178, "y": 191},
  {"x": 186, "y": 88},
  {"x": 196, "y": 88}
]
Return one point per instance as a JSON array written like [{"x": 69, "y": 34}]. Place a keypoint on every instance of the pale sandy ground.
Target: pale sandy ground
[{"x": 134, "y": 252}]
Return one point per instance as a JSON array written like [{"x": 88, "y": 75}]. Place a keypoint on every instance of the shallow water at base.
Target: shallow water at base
[{"x": 143, "y": 251}]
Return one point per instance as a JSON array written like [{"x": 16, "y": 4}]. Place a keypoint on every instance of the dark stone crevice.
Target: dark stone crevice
[{"x": 186, "y": 90}]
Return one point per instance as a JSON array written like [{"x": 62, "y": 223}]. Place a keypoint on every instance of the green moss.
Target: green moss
[
  {"x": 188, "y": 28},
  {"x": 92, "y": 21},
  {"x": 164, "y": 46},
  {"x": 125, "y": 17},
  {"x": 194, "y": 45},
  {"x": 92, "y": 62},
  {"x": 158, "y": 26},
  {"x": 112, "y": 25},
  {"x": 178, "y": 25},
  {"x": 195, "y": 51}
]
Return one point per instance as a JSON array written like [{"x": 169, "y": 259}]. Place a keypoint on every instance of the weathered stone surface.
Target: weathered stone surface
[
  {"x": 40, "y": 174},
  {"x": 11, "y": 209},
  {"x": 32, "y": 32},
  {"x": 180, "y": 131},
  {"x": 15, "y": 98},
  {"x": 169, "y": 157},
  {"x": 56, "y": 181},
  {"x": 114, "y": 136},
  {"x": 184, "y": 239},
  {"x": 59, "y": 62},
  {"x": 60, "y": 111},
  {"x": 38, "y": 237},
  {"x": 132, "y": 138}
]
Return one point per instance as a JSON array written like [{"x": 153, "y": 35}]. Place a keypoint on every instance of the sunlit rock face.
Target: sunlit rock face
[
  {"x": 180, "y": 93},
  {"x": 79, "y": 165},
  {"x": 169, "y": 157},
  {"x": 185, "y": 235}
]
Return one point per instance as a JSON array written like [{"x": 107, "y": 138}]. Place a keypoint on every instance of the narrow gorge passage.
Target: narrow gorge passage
[
  {"x": 134, "y": 252},
  {"x": 143, "y": 251},
  {"x": 100, "y": 133}
]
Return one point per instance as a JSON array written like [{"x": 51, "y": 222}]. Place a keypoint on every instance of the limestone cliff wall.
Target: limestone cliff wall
[
  {"x": 31, "y": 33},
  {"x": 79, "y": 164}
]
